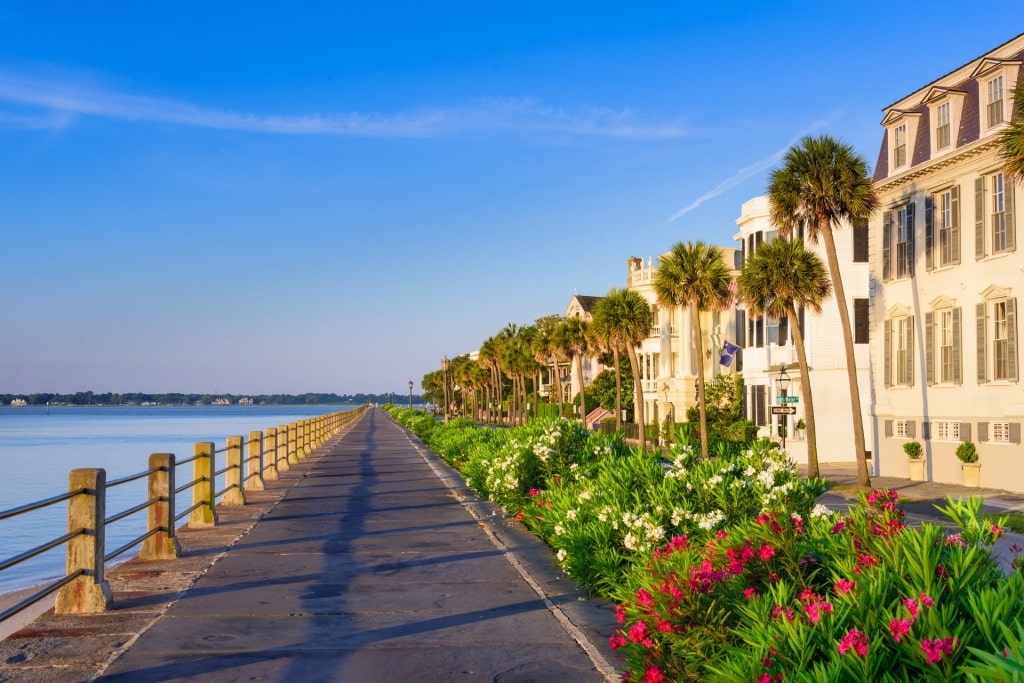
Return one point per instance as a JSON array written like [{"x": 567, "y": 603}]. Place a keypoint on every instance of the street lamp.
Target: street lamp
[
  {"x": 410, "y": 394},
  {"x": 783, "y": 383},
  {"x": 444, "y": 367}
]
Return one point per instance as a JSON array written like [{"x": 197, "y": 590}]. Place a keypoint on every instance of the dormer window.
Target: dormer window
[
  {"x": 995, "y": 101},
  {"x": 942, "y": 126},
  {"x": 899, "y": 146}
]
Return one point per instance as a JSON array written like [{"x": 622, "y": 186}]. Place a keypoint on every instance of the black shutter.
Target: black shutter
[
  {"x": 861, "y": 328},
  {"x": 979, "y": 218},
  {"x": 860, "y": 241},
  {"x": 954, "y": 233},
  {"x": 1011, "y": 338},
  {"x": 741, "y": 327},
  {"x": 929, "y": 232},
  {"x": 979, "y": 311},
  {"x": 783, "y": 330},
  {"x": 983, "y": 431},
  {"x": 910, "y": 238},
  {"x": 929, "y": 348},
  {"x": 1015, "y": 432},
  {"x": 887, "y": 365},
  {"x": 1011, "y": 234},
  {"x": 887, "y": 245},
  {"x": 910, "y": 351},
  {"x": 958, "y": 377},
  {"x": 888, "y": 427}
]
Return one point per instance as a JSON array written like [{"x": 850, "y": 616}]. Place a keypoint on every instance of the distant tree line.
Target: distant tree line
[{"x": 88, "y": 398}]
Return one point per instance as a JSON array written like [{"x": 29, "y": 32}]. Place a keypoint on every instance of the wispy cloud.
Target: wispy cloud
[
  {"x": 746, "y": 172},
  {"x": 60, "y": 101}
]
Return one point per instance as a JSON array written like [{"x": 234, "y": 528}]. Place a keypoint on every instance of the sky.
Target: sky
[{"x": 290, "y": 197}]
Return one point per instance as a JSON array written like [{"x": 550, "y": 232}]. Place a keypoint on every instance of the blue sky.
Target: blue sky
[{"x": 257, "y": 197}]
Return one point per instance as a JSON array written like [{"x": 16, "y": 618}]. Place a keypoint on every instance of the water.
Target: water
[{"x": 38, "y": 449}]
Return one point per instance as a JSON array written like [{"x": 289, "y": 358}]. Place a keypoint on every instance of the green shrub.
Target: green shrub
[
  {"x": 912, "y": 449},
  {"x": 967, "y": 452}
]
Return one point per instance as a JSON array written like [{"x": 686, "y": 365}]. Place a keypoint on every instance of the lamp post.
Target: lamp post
[
  {"x": 410, "y": 394},
  {"x": 444, "y": 367},
  {"x": 783, "y": 382}
]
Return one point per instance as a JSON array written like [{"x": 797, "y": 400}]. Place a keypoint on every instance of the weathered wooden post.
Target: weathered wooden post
[
  {"x": 233, "y": 495},
  {"x": 270, "y": 463},
  {"x": 282, "y": 449},
  {"x": 204, "y": 493},
  {"x": 162, "y": 545},
  {"x": 88, "y": 593},
  {"x": 254, "y": 469},
  {"x": 293, "y": 441}
]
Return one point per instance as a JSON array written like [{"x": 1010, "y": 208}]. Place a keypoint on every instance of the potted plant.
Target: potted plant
[
  {"x": 914, "y": 452},
  {"x": 968, "y": 455},
  {"x": 800, "y": 427}
]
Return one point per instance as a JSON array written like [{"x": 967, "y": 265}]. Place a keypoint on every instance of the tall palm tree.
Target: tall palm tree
[
  {"x": 488, "y": 357},
  {"x": 777, "y": 279},
  {"x": 599, "y": 339},
  {"x": 574, "y": 333},
  {"x": 694, "y": 275},
  {"x": 823, "y": 182},
  {"x": 545, "y": 351},
  {"x": 625, "y": 318},
  {"x": 1011, "y": 139}
]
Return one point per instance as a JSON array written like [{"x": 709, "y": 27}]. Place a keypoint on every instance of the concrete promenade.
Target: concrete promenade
[{"x": 369, "y": 562}]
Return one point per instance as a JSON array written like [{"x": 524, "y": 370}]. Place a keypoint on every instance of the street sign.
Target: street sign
[
  {"x": 783, "y": 410},
  {"x": 787, "y": 399}
]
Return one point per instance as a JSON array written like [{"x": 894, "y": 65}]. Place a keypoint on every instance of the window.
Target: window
[
  {"x": 1000, "y": 431},
  {"x": 904, "y": 246},
  {"x": 942, "y": 229},
  {"x": 860, "y": 241},
  {"x": 946, "y": 431},
  {"x": 942, "y": 137},
  {"x": 860, "y": 321},
  {"x": 898, "y": 238},
  {"x": 995, "y": 101},
  {"x": 899, "y": 351},
  {"x": 899, "y": 146},
  {"x": 994, "y": 230},
  {"x": 946, "y": 346},
  {"x": 997, "y": 340},
  {"x": 903, "y": 429},
  {"x": 942, "y": 346}
]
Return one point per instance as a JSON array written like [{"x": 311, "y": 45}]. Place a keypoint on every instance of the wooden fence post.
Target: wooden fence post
[
  {"x": 204, "y": 492},
  {"x": 88, "y": 593},
  {"x": 270, "y": 463},
  {"x": 233, "y": 495},
  {"x": 254, "y": 466},
  {"x": 163, "y": 545},
  {"x": 282, "y": 449}
]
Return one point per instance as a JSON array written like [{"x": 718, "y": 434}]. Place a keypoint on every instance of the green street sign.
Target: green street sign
[{"x": 787, "y": 399}]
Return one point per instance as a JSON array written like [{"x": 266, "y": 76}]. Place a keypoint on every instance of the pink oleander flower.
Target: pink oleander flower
[
  {"x": 935, "y": 649},
  {"x": 998, "y": 531},
  {"x": 912, "y": 607},
  {"x": 766, "y": 552},
  {"x": 844, "y": 586},
  {"x": 620, "y": 614},
  {"x": 616, "y": 641},
  {"x": 534, "y": 492},
  {"x": 899, "y": 628},
  {"x": 749, "y": 593},
  {"x": 839, "y": 526},
  {"x": 644, "y": 598},
  {"x": 855, "y": 640},
  {"x": 926, "y": 600},
  {"x": 654, "y": 675},
  {"x": 721, "y": 533},
  {"x": 664, "y": 626},
  {"x": 638, "y": 632}
]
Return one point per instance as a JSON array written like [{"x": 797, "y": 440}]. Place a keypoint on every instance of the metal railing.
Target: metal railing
[{"x": 83, "y": 589}]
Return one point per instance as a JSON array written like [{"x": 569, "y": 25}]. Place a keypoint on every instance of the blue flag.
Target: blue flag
[{"x": 728, "y": 353}]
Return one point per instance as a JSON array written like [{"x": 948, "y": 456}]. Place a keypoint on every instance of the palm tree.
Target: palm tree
[
  {"x": 776, "y": 279},
  {"x": 1011, "y": 139},
  {"x": 574, "y": 332},
  {"x": 599, "y": 339},
  {"x": 546, "y": 347},
  {"x": 694, "y": 275},
  {"x": 624, "y": 318},
  {"x": 822, "y": 183},
  {"x": 488, "y": 357}
]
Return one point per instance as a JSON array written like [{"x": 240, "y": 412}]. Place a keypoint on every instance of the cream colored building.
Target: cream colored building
[
  {"x": 946, "y": 275},
  {"x": 668, "y": 358},
  {"x": 767, "y": 346}
]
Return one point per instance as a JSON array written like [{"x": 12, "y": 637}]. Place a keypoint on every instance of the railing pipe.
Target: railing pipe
[{"x": 89, "y": 592}]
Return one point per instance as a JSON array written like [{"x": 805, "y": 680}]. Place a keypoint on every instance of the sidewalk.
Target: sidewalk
[
  {"x": 373, "y": 564},
  {"x": 919, "y": 499}
]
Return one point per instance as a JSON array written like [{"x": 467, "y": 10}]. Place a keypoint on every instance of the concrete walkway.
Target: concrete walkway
[{"x": 374, "y": 565}]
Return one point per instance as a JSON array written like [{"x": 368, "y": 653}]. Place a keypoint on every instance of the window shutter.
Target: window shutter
[
  {"x": 910, "y": 236},
  {"x": 982, "y": 370},
  {"x": 888, "y": 427},
  {"x": 929, "y": 232},
  {"x": 1011, "y": 233},
  {"x": 983, "y": 431},
  {"x": 860, "y": 241},
  {"x": 1011, "y": 338},
  {"x": 979, "y": 218},
  {"x": 910, "y": 351},
  {"x": 957, "y": 373},
  {"x": 861, "y": 326},
  {"x": 783, "y": 330},
  {"x": 929, "y": 348},
  {"x": 926, "y": 430},
  {"x": 887, "y": 246},
  {"x": 887, "y": 345},
  {"x": 965, "y": 431},
  {"x": 741, "y": 327},
  {"x": 1015, "y": 432},
  {"x": 911, "y": 429},
  {"x": 954, "y": 233}
]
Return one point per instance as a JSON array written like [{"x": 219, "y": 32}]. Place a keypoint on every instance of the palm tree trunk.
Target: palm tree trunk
[
  {"x": 618, "y": 392},
  {"x": 583, "y": 396},
  {"x": 805, "y": 384},
  {"x": 638, "y": 395},
  {"x": 554, "y": 377},
  {"x": 699, "y": 341},
  {"x": 863, "y": 476}
]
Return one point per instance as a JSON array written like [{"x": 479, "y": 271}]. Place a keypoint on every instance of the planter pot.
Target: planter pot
[
  {"x": 916, "y": 469},
  {"x": 972, "y": 474}
]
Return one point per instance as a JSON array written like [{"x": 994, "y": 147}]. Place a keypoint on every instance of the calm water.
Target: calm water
[{"x": 38, "y": 450}]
